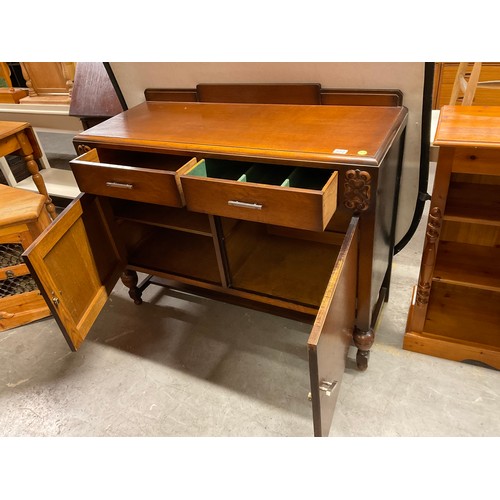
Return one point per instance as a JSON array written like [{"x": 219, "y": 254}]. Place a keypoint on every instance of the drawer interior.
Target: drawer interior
[
  {"x": 136, "y": 159},
  {"x": 219, "y": 169},
  {"x": 309, "y": 178},
  {"x": 260, "y": 173},
  {"x": 274, "y": 175}
]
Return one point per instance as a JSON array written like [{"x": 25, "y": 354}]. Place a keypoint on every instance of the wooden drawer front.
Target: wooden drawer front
[
  {"x": 481, "y": 161},
  {"x": 303, "y": 198},
  {"x": 148, "y": 177}
]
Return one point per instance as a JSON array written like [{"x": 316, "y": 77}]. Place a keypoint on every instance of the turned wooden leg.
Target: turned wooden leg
[
  {"x": 130, "y": 279},
  {"x": 363, "y": 341},
  {"x": 40, "y": 184}
]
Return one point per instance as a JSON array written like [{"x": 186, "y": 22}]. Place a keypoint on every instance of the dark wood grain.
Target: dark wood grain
[
  {"x": 275, "y": 93},
  {"x": 93, "y": 93}
]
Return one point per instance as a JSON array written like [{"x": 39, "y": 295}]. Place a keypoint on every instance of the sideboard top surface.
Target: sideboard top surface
[
  {"x": 354, "y": 135},
  {"x": 466, "y": 126}
]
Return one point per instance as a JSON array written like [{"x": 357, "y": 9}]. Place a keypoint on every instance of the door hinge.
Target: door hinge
[{"x": 327, "y": 387}]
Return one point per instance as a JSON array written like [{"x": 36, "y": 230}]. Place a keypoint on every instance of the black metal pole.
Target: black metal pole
[
  {"x": 423, "y": 177},
  {"x": 118, "y": 91}
]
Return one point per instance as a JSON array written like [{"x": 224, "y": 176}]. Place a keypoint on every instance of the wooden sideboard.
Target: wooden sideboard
[
  {"x": 455, "y": 309},
  {"x": 288, "y": 207}
]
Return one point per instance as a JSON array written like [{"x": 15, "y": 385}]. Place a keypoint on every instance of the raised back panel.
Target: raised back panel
[
  {"x": 308, "y": 93},
  {"x": 261, "y": 94},
  {"x": 348, "y": 97},
  {"x": 171, "y": 95}
]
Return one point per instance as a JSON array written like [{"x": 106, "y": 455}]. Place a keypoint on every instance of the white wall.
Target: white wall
[{"x": 133, "y": 78}]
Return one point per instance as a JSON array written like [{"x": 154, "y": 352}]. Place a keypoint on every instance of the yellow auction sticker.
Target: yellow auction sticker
[{"x": 362, "y": 152}]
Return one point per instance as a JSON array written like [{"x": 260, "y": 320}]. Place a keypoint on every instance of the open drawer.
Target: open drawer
[
  {"x": 302, "y": 198},
  {"x": 132, "y": 175},
  {"x": 85, "y": 239}
]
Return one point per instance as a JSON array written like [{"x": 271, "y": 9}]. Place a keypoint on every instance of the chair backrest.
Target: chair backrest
[
  {"x": 5, "y": 80},
  {"x": 465, "y": 83}
]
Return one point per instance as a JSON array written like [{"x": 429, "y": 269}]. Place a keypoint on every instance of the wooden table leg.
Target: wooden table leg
[
  {"x": 40, "y": 184},
  {"x": 27, "y": 153},
  {"x": 130, "y": 279}
]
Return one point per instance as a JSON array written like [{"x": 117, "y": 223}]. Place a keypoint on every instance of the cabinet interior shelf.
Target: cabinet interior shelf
[
  {"x": 162, "y": 216},
  {"x": 472, "y": 202},
  {"x": 293, "y": 269},
  {"x": 177, "y": 253},
  {"x": 468, "y": 265},
  {"x": 464, "y": 314}
]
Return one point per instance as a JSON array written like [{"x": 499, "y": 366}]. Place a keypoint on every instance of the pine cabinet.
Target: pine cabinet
[{"x": 455, "y": 308}]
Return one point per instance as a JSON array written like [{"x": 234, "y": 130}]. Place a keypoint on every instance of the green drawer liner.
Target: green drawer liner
[{"x": 274, "y": 175}]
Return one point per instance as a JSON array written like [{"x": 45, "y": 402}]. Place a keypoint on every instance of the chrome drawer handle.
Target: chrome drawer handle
[
  {"x": 119, "y": 185},
  {"x": 242, "y": 204}
]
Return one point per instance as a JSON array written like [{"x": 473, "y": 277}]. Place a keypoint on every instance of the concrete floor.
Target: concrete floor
[{"x": 181, "y": 365}]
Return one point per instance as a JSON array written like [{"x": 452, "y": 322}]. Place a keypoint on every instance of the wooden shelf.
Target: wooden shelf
[
  {"x": 466, "y": 315},
  {"x": 292, "y": 269},
  {"x": 468, "y": 265},
  {"x": 161, "y": 216},
  {"x": 177, "y": 253},
  {"x": 475, "y": 203}
]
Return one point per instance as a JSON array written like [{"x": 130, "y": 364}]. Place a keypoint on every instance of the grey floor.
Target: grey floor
[{"x": 180, "y": 365}]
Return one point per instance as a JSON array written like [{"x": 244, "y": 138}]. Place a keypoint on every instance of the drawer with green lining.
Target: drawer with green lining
[{"x": 298, "y": 197}]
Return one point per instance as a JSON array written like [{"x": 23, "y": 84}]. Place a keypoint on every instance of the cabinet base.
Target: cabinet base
[
  {"x": 446, "y": 346},
  {"x": 426, "y": 343}
]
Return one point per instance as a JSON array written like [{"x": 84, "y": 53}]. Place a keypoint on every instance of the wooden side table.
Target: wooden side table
[
  {"x": 18, "y": 138},
  {"x": 22, "y": 218}
]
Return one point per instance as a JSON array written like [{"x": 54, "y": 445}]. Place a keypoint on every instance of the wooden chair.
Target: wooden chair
[
  {"x": 5, "y": 80},
  {"x": 467, "y": 83}
]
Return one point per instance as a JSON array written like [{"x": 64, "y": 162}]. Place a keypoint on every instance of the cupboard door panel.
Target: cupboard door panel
[
  {"x": 76, "y": 263},
  {"x": 332, "y": 332}
]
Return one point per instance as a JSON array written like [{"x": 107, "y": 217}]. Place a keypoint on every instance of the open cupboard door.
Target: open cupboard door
[
  {"x": 76, "y": 263},
  {"x": 332, "y": 332}
]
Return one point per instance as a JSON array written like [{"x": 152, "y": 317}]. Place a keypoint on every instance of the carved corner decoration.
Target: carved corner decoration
[
  {"x": 82, "y": 148},
  {"x": 429, "y": 256},
  {"x": 357, "y": 190}
]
